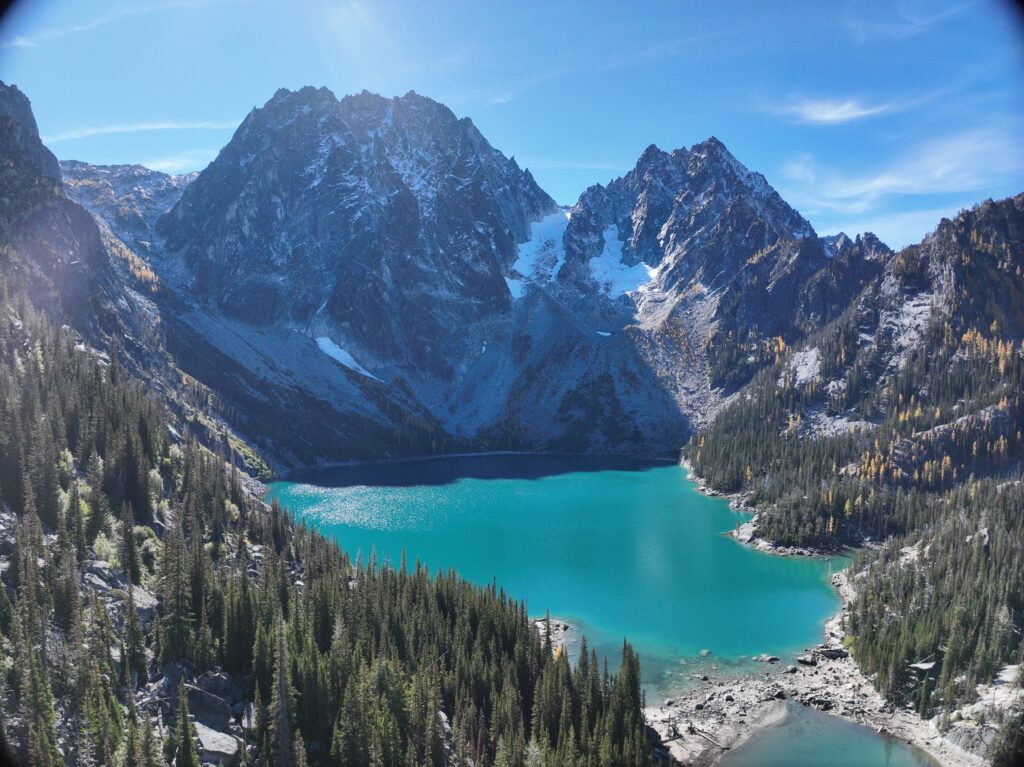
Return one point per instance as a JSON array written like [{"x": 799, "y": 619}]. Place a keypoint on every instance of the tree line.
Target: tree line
[{"x": 340, "y": 663}]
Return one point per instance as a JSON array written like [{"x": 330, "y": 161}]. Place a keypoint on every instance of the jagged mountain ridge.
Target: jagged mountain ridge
[
  {"x": 318, "y": 228},
  {"x": 373, "y": 269},
  {"x": 325, "y": 217},
  {"x": 71, "y": 265},
  {"x": 339, "y": 208},
  {"x": 671, "y": 205},
  {"x": 129, "y": 198},
  {"x": 51, "y": 246}
]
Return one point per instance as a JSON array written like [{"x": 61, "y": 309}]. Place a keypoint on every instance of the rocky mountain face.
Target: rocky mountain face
[
  {"x": 693, "y": 215},
  {"x": 20, "y": 130},
  {"x": 71, "y": 264},
  {"x": 128, "y": 198},
  {"x": 388, "y": 221},
  {"x": 374, "y": 270},
  {"x": 964, "y": 275},
  {"x": 709, "y": 262},
  {"x": 51, "y": 247}
]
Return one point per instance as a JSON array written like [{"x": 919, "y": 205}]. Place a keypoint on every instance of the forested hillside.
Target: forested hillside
[
  {"x": 153, "y": 609},
  {"x": 877, "y": 429}
]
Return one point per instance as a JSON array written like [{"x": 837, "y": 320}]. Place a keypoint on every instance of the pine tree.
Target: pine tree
[
  {"x": 176, "y": 633},
  {"x": 185, "y": 755},
  {"x": 282, "y": 703},
  {"x": 75, "y": 521},
  {"x": 151, "y": 746},
  {"x": 130, "y": 562},
  {"x": 135, "y": 646},
  {"x": 97, "y": 501},
  {"x": 299, "y": 757}
]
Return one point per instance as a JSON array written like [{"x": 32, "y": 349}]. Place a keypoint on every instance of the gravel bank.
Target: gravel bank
[{"x": 698, "y": 726}]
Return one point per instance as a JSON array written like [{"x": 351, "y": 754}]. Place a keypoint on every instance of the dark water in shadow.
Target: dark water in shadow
[{"x": 444, "y": 470}]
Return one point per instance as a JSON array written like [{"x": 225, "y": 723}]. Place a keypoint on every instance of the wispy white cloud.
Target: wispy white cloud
[
  {"x": 906, "y": 20},
  {"x": 55, "y": 33},
  {"x": 582, "y": 64},
  {"x": 500, "y": 98},
  {"x": 104, "y": 130},
  {"x": 182, "y": 162},
  {"x": 681, "y": 45},
  {"x": 962, "y": 162},
  {"x": 831, "y": 111}
]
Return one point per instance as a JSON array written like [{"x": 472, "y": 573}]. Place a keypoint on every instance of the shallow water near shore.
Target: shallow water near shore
[
  {"x": 807, "y": 738},
  {"x": 620, "y": 547}
]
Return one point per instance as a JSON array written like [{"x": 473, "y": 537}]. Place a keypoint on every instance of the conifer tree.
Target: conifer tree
[
  {"x": 185, "y": 753},
  {"x": 176, "y": 633},
  {"x": 282, "y": 703},
  {"x": 130, "y": 562}
]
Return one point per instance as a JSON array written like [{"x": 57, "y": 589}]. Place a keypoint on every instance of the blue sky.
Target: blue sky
[{"x": 875, "y": 116}]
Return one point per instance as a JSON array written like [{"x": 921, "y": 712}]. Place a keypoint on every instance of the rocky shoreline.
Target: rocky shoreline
[
  {"x": 746, "y": 532},
  {"x": 698, "y": 726}
]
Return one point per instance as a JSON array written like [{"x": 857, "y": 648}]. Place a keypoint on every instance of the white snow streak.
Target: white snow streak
[
  {"x": 615, "y": 277},
  {"x": 540, "y": 259},
  {"x": 335, "y": 352}
]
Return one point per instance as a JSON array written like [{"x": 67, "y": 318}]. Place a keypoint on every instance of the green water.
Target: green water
[
  {"x": 621, "y": 548},
  {"x": 807, "y": 738}
]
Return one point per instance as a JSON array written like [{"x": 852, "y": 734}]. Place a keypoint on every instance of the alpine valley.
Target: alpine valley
[{"x": 367, "y": 278}]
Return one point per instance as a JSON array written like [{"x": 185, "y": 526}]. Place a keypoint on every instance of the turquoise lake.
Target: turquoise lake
[
  {"x": 807, "y": 738},
  {"x": 621, "y": 548}
]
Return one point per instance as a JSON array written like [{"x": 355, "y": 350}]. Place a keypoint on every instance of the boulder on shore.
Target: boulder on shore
[
  {"x": 833, "y": 653},
  {"x": 210, "y": 709},
  {"x": 216, "y": 747}
]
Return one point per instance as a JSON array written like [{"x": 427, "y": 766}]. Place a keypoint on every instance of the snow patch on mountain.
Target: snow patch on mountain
[
  {"x": 614, "y": 277},
  {"x": 331, "y": 349},
  {"x": 834, "y": 243},
  {"x": 540, "y": 259}
]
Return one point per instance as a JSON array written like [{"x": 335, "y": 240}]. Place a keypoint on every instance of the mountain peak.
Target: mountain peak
[
  {"x": 872, "y": 245},
  {"x": 15, "y": 106},
  {"x": 711, "y": 144},
  {"x": 306, "y": 93},
  {"x": 650, "y": 153},
  {"x": 413, "y": 96},
  {"x": 713, "y": 149},
  {"x": 365, "y": 187}
]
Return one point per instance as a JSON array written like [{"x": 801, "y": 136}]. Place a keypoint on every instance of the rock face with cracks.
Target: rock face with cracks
[{"x": 374, "y": 269}]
